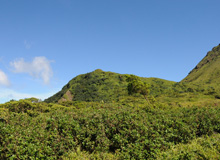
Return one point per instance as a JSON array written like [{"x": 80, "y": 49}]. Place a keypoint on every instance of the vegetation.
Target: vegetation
[
  {"x": 105, "y": 86},
  {"x": 100, "y": 86},
  {"x": 207, "y": 72},
  {"x": 135, "y": 85},
  {"x": 103, "y": 131},
  {"x": 103, "y": 115}
]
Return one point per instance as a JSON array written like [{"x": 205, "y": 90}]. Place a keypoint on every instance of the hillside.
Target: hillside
[
  {"x": 108, "y": 131},
  {"x": 207, "y": 71},
  {"x": 103, "y": 86},
  {"x": 96, "y": 118}
]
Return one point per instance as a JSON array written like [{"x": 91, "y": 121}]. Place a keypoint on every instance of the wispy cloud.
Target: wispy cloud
[
  {"x": 38, "y": 68},
  {"x": 9, "y": 94},
  {"x": 4, "y": 79},
  {"x": 27, "y": 44}
]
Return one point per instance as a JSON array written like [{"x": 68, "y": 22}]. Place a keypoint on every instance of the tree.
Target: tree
[
  {"x": 33, "y": 99},
  {"x": 136, "y": 85}
]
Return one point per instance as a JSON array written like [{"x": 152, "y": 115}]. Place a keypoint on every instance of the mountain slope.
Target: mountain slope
[
  {"x": 103, "y": 86},
  {"x": 108, "y": 86},
  {"x": 208, "y": 69}
]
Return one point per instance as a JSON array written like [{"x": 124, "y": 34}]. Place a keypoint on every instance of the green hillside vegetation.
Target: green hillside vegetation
[
  {"x": 112, "y": 116},
  {"x": 39, "y": 130},
  {"x": 101, "y": 86},
  {"x": 94, "y": 86},
  {"x": 104, "y": 86},
  {"x": 207, "y": 72}
]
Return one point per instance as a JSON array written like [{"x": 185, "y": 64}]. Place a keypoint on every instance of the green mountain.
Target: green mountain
[
  {"x": 101, "y": 86},
  {"x": 207, "y": 72},
  {"x": 104, "y": 86}
]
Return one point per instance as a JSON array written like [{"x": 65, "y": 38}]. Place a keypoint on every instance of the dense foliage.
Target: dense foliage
[
  {"x": 136, "y": 85},
  {"x": 100, "y": 86},
  {"x": 94, "y": 86},
  {"x": 98, "y": 130},
  {"x": 104, "y": 86}
]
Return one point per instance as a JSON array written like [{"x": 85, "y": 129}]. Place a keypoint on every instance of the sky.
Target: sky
[{"x": 46, "y": 43}]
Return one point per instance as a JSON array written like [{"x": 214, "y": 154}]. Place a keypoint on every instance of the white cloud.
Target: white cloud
[
  {"x": 9, "y": 94},
  {"x": 4, "y": 79},
  {"x": 38, "y": 68}
]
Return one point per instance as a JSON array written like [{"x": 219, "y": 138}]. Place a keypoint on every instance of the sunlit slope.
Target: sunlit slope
[
  {"x": 207, "y": 72},
  {"x": 103, "y": 86}
]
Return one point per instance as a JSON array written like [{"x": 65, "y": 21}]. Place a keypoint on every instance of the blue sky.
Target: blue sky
[{"x": 46, "y": 43}]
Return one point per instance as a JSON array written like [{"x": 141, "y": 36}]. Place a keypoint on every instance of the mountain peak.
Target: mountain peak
[
  {"x": 93, "y": 86},
  {"x": 98, "y": 70}
]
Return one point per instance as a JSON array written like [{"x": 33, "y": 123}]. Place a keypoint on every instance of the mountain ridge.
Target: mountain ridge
[
  {"x": 109, "y": 86},
  {"x": 207, "y": 71}
]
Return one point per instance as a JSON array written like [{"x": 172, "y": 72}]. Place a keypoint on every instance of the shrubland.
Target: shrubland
[{"x": 97, "y": 130}]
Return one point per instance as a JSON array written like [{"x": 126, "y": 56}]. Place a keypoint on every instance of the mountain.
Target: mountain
[
  {"x": 109, "y": 86},
  {"x": 207, "y": 71},
  {"x": 103, "y": 86}
]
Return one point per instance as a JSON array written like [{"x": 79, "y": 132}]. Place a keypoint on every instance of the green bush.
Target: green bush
[{"x": 100, "y": 129}]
